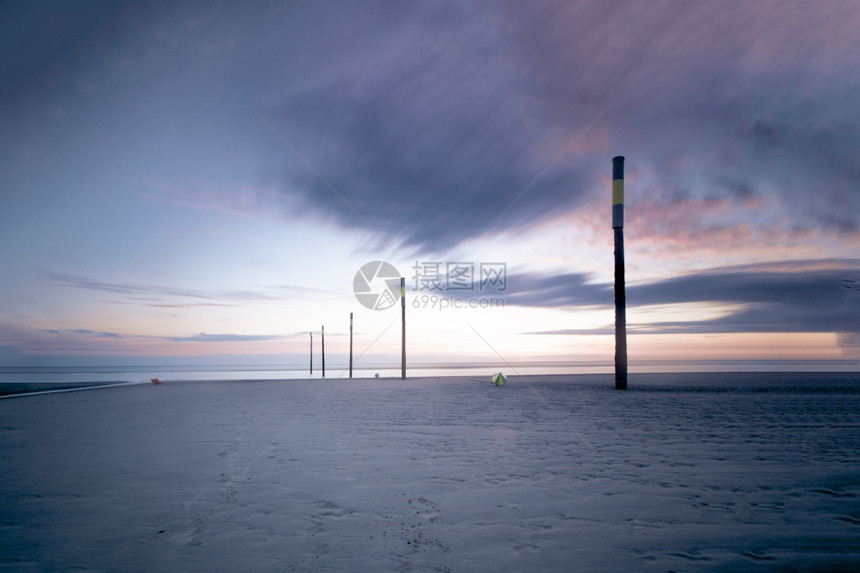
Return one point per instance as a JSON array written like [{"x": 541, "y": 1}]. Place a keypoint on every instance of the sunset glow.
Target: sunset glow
[{"x": 204, "y": 181}]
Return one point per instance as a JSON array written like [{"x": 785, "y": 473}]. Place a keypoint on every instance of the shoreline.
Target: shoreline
[{"x": 21, "y": 389}]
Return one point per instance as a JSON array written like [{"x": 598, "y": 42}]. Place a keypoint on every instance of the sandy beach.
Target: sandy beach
[{"x": 547, "y": 473}]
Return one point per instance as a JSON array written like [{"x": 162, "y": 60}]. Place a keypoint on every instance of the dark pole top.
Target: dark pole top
[{"x": 618, "y": 167}]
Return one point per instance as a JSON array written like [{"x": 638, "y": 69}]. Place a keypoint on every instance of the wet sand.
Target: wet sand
[{"x": 451, "y": 474}]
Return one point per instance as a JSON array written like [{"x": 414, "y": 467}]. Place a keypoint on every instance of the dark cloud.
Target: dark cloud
[
  {"x": 769, "y": 298},
  {"x": 713, "y": 99},
  {"x": 559, "y": 290},
  {"x": 433, "y": 143},
  {"x": 433, "y": 191},
  {"x": 431, "y": 148},
  {"x": 433, "y": 123}
]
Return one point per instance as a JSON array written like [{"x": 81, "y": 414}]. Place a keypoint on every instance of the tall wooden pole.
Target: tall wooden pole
[
  {"x": 322, "y": 341},
  {"x": 620, "y": 296},
  {"x": 403, "y": 327},
  {"x": 312, "y": 352},
  {"x": 350, "y": 345}
]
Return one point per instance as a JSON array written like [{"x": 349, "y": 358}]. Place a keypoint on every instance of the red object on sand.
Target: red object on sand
[{"x": 155, "y": 381}]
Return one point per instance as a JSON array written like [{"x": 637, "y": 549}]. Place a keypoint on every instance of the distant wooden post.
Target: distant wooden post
[
  {"x": 312, "y": 352},
  {"x": 322, "y": 341},
  {"x": 620, "y": 296},
  {"x": 403, "y": 327},
  {"x": 350, "y": 345}
]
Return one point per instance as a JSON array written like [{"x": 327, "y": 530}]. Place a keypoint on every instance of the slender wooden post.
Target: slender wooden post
[
  {"x": 403, "y": 327},
  {"x": 620, "y": 296},
  {"x": 322, "y": 341},
  {"x": 312, "y": 352},
  {"x": 350, "y": 345}
]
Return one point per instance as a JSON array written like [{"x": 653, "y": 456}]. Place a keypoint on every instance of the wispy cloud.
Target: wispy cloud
[
  {"x": 768, "y": 297},
  {"x": 94, "y": 333},
  {"x": 200, "y": 337},
  {"x": 203, "y": 337},
  {"x": 26, "y": 341},
  {"x": 234, "y": 198},
  {"x": 161, "y": 296},
  {"x": 87, "y": 283}
]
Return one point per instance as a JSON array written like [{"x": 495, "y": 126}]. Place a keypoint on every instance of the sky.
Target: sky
[{"x": 207, "y": 180}]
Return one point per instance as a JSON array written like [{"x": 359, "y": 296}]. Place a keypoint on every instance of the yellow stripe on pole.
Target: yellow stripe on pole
[{"x": 617, "y": 191}]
